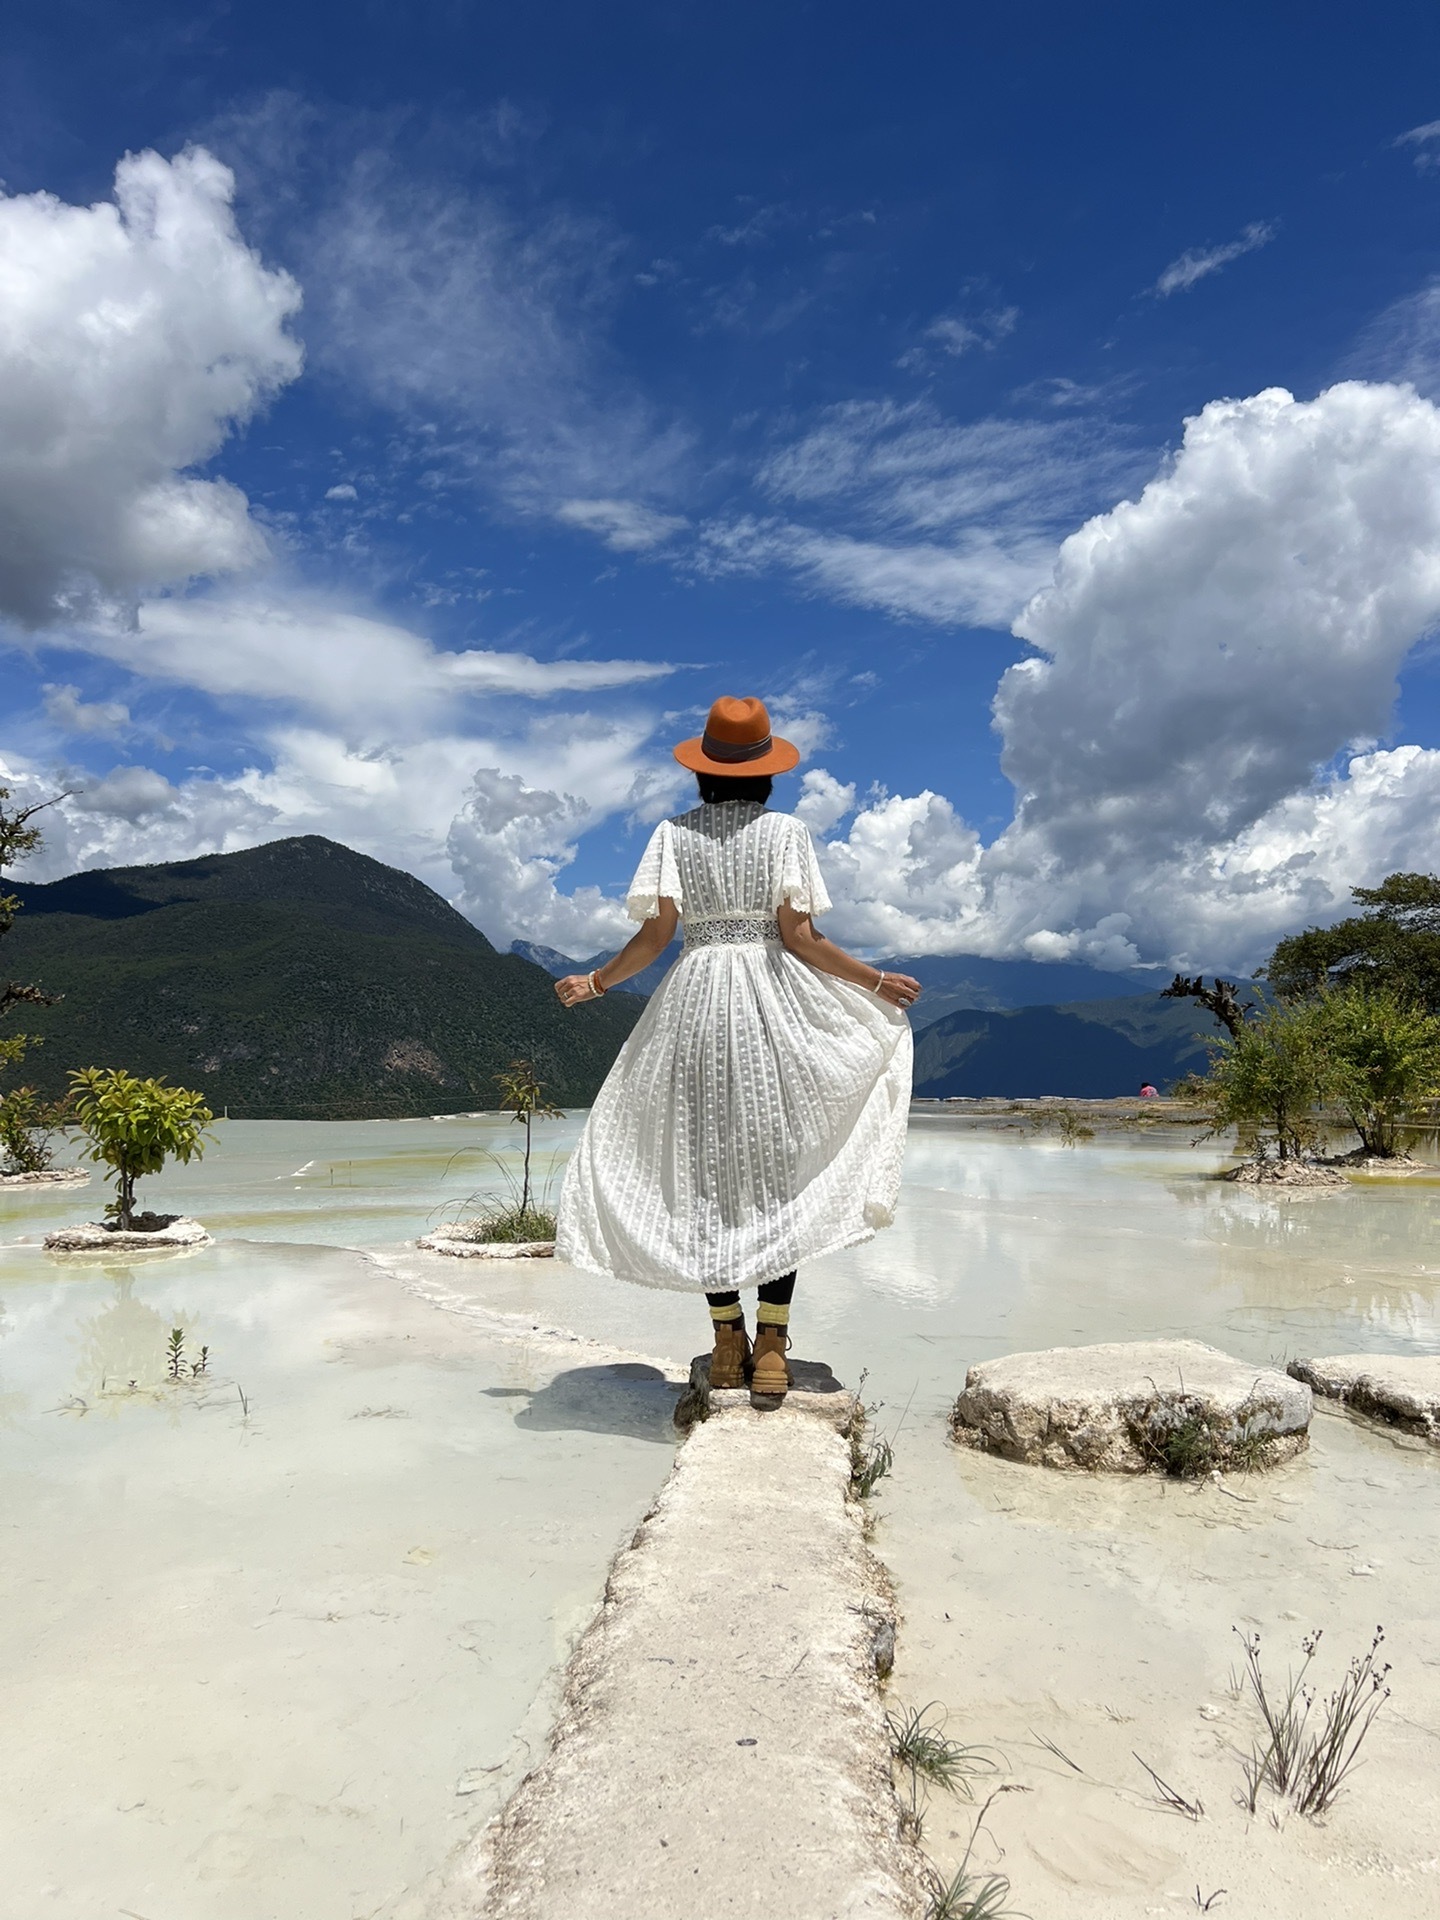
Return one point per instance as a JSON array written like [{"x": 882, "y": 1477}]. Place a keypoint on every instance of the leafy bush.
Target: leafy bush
[
  {"x": 135, "y": 1126},
  {"x": 1268, "y": 1078},
  {"x": 27, "y": 1126},
  {"x": 1386, "y": 1055}
]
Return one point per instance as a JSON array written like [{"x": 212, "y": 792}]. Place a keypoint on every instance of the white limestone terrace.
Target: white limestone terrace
[{"x": 331, "y": 1639}]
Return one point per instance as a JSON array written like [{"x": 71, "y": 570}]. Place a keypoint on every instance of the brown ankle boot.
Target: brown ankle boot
[
  {"x": 731, "y": 1357},
  {"x": 769, "y": 1375}
]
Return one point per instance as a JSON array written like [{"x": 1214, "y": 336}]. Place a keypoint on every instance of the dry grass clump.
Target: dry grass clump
[{"x": 1307, "y": 1767}]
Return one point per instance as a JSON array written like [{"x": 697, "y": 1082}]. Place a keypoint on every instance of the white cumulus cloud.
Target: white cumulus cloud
[
  {"x": 508, "y": 844},
  {"x": 134, "y": 335},
  {"x": 1187, "y": 746}
]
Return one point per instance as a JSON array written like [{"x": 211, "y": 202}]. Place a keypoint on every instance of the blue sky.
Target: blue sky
[{"x": 441, "y": 406}]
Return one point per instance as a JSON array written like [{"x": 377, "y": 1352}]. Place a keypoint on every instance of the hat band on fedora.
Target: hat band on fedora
[{"x": 714, "y": 749}]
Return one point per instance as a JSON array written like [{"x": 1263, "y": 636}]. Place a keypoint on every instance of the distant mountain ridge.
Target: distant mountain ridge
[
  {"x": 951, "y": 981},
  {"x": 557, "y": 965},
  {"x": 1091, "y": 1050},
  {"x": 297, "y": 980}
]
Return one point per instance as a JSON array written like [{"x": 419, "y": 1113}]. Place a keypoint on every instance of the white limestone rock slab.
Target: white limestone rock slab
[
  {"x": 1174, "y": 1406},
  {"x": 461, "y": 1249},
  {"x": 1403, "y": 1390},
  {"x": 722, "y": 1747},
  {"x": 47, "y": 1177},
  {"x": 95, "y": 1237}
]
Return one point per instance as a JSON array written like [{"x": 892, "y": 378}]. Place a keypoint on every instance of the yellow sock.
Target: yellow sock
[
  {"x": 767, "y": 1315},
  {"x": 723, "y": 1316}
]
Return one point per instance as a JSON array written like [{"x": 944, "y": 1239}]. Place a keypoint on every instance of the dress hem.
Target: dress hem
[{"x": 856, "y": 1237}]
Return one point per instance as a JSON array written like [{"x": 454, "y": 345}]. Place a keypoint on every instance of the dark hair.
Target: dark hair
[{"x": 715, "y": 788}]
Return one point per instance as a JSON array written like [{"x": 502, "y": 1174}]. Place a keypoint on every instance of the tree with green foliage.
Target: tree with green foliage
[
  {"x": 26, "y": 1121},
  {"x": 522, "y": 1095},
  {"x": 1269, "y": 1078},
  {"x": 1394, "y": 943},
  {"x": 1385, "y": 1053},
  {"x": 135, "y": 1126}
]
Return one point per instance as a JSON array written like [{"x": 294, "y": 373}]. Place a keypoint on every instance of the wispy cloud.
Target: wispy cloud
[
  {"x": 1402, "y": 342},
  {"x": 1424, "y": 145},
  {"x": 756, "y": 227},
  {"x": 623, "y": 525},
  {"x": 1198, "y": 263},
  {"x": 368, "y": 677},
  {"x": 905, "y": 511},
  {"x": 480, "y": 323},
  {"x": 953, "y": 334},
  {"x": 67, "y": 711}
]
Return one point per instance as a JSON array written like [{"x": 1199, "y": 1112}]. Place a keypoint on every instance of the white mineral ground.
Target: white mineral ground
[{"x": 251, "y": 1661}]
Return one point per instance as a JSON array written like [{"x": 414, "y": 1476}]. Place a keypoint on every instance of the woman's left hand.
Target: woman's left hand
[
  {"x": 899, "y": 989},
  {"x": 574, "y": 988}
]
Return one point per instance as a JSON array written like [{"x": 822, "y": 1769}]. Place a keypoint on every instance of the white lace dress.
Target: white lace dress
[{"x": 756, "y": 1116}]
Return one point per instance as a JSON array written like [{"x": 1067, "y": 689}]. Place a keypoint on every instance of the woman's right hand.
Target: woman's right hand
[{"x": 899, "y": 989}]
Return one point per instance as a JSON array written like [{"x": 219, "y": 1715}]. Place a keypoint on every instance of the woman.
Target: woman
[{"x": 756, "y": 1116}]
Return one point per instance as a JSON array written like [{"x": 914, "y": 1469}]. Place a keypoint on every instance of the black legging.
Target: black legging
[{"x": 774, "y": 1293}]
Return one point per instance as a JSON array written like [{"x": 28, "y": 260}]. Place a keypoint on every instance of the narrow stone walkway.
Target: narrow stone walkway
[{"x": 722, "y": 1747}]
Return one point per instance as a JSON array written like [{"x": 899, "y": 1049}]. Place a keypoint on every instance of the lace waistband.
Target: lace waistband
[{"x": 731, "y": 929}]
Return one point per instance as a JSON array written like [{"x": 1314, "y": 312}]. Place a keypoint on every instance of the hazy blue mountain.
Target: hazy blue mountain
[
  {"x": 1090, "y": 1050},
  {"x": 557, "y": 965},
  {"x": 950, "y": 982},
  {"x": 298, "y": 980},
  {"x": 953, "y": 981}
]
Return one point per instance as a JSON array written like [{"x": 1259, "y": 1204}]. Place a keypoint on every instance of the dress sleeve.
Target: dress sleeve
[
  {"x": 657, "y": 877},
  {"x": 801, "y": 884}
]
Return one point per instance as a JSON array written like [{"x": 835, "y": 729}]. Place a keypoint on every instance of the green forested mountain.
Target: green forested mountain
[{"x": 298, "y": 980}]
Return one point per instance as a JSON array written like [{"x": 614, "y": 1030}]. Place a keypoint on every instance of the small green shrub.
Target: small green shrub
[
  {"x": 135, "y": 1126},
  {"x": 28, "y": 1124}
]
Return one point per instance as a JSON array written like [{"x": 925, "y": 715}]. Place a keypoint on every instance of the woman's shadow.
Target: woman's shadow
[{"x": 626, "y": 1397}]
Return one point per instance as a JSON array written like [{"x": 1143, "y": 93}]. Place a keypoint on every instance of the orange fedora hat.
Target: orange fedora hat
[{"x": 737, "y": 741}]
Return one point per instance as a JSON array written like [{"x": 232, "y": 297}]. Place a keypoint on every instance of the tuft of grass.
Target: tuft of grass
[
  {"x": 927, "y": 1758},
  {"x": 973, "y": 1896},
  {"x": 1187, "y": 1440},
  {"x": 1309, "y": 1768},
  {"x": 517, "y": 1213},
  {"x": 510, "y": 1223},
  {"x": 870, "y": 1460}
]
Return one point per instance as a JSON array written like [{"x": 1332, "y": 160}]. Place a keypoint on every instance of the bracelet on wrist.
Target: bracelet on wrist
[
  {"x": 595, "y": 986},
  {"x": 878, "y": 985}
]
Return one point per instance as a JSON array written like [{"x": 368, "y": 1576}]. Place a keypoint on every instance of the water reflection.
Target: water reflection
[{"x": 123, "y": 1344}]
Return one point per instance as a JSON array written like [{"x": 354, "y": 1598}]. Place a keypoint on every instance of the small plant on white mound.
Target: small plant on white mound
[
  {"x": 520, "y": 1213},
  {"x": 133, "y": 1127}
]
